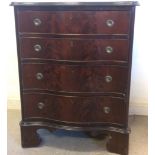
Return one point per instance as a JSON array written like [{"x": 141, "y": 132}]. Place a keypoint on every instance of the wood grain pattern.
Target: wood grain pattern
[
  {"x": 75, "y": 49},
  {"x": 75, "y": 108},
  {"x": 74, "y": 78},
  {"x": 74, "y": 22}
]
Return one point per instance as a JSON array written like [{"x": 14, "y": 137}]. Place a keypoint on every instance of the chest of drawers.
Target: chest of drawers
[{"x": 74, "y": 68}]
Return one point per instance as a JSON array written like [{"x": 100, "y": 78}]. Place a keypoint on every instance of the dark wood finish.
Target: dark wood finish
[
  {"x": 74, "y": 49},
  {"x": 53, "y": 125},
  {"x": 74, "y": 108},
  {"x": 90, "y": 22},
  {"x": 74, "y": 4},
  {"x": 122, "y": 141},
  {"x": 130, "y": 55},
  {"x": 75, "y": 78},
  {"x": 74, "y": 36},
  {"x": 73, "y": 61},
  {"x": 121, "y": 138},
  {"x": 29, "y": 136}
]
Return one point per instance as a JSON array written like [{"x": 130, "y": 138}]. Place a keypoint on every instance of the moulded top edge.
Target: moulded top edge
[{"x": 112, "y": 3}]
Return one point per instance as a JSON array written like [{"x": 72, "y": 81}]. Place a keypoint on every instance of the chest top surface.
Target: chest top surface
[{"x": 111, "y": 3}]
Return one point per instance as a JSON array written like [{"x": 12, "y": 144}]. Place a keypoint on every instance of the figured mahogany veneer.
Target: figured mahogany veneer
[
  {"x": 75, "y": 78},
  {"x": 74, "y": 109},
  {"x": 75, "y": 68},
  {"x": 75, "y": 49},
  {"x": 74, "y": 22}
]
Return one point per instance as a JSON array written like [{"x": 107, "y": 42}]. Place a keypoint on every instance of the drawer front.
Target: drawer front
[
  {"x": 74, "y": 78},
  {"x": 74, "y": 22},
  {"x": 74, "y": 109},
  {"x": 74, "y": 50}
]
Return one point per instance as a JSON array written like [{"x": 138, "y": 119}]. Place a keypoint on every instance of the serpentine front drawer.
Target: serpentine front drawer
[
  {"x": 87, "y": 50},
  {"x": 74, "y": 22},
  {"x": 74, "y": 109},
  {"x": 70, "y": 78}
]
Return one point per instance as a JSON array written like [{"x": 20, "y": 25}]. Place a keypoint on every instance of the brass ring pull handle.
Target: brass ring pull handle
[
  {"x": 106, "y": 110},
  {"x": 110, "y": 23},
  {"x": 108, "y": 78},
  {"x": 109, "y": 49},
  {"x": 41, "y": 105},
  {"x": 37, "y": 22},
  {"x": 37, "y": 48},
  {"x": 39, "y": 76}
]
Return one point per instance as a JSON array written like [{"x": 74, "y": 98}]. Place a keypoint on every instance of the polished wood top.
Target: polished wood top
[{"x": 112, "y": 3}]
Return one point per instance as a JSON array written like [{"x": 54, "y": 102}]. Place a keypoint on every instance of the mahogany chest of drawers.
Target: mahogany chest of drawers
[{"x": 74, "y": 68}]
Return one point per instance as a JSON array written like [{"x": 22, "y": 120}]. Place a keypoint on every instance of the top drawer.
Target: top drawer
[{"x": 74, "y": 22}]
